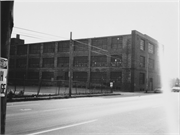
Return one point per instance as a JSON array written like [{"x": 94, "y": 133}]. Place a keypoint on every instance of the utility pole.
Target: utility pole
[
  {"x": 6, "y": 30},
  {"x": 70, "y": 64}
]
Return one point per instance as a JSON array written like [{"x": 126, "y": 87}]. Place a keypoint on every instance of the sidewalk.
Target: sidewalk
[{"x": 65, "y": 96}]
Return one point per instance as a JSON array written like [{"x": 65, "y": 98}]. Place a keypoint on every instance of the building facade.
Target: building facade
[{"x": 130, "y": 61}]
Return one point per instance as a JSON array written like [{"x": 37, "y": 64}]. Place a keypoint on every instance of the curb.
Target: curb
[{"x": 56, "y": 97}]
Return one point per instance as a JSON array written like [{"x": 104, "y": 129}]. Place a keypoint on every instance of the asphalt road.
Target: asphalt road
[{"x": 111, "y": 115}]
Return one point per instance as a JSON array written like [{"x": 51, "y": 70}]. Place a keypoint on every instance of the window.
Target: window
[
  {"x": 12, "y": 63},
  {"x": 99, "y": 61},
  {"x": 63, "y": 62},
  {"x": 116, "y": 60},
  {"x": 99, "y": 43},
  {"x": 34, "y": 62},
  {"x": 21, "y": 75},
  {"x": 81, "y": 45},
  {"x": 33, "y": 75},
  {"x": 49, "y": 47},
  {"x": 150, "y": 48},
  {"x": 12, "y": 50},
  {"x": 80, "y": 76},
  {"x": 81, "y": 61},
  {"x": 142, "y": 44},
  {"x": 63, "y": 46},
  {"x": 142, "y": 61},
  {"x": 151, "y": 63},
  {"x": 21, "y": 49},
  {"x": 116, "y": 42},
  {"x": 11, "y": 75},
  {"x": 21, "y": 63},
  {"x": 116, "y": 76},
  {"x": 98, "y": 77},
  {"x": 34, "y": 48},
  {"x": 48, "y": 62},
  {"x": 47, "y": 75},
  {"x": 142, "y": 78}
]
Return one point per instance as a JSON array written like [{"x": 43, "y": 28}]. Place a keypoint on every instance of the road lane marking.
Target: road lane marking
[
  {"x": 68, "y": 126},
  {"x": 26, "y": 109},
  {"x": 16, "y": 105}
]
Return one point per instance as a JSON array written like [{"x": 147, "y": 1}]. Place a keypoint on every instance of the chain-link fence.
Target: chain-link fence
[{"x": 23, "y": 87}]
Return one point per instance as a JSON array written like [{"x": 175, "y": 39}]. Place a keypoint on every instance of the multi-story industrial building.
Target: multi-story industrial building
[{"x": 130, "y": 61}]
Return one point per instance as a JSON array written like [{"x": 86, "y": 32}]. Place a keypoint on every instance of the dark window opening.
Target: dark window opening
[
  {"x": 49, "y": 48},
  {"x": 81, "y": 61},
  {"x": 21, "y": 49},
  {"x": 63, "y": 46},
  {"x": 99, "y": 61},
  {"x": 34, "y": 62},
  {"x": 48, "y": 62},
  {"x": 116, "y": 60},
  {"x": 34, "y": 49},
  {"x": 63, "y": 62}
]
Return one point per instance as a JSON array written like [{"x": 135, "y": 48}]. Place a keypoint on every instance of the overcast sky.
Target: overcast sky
[{"x": 160, "y": 20}]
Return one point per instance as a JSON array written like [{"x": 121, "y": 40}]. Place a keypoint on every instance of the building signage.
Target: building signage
[{"x": 3, "y": 75}]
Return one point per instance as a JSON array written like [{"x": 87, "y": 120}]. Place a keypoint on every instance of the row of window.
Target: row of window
[
  {"x": 142, "y": 62},
  {"x": 151, "y": 48},
  {"x": 79, "y": 61},
  {"x": 96, "y": 77},
  {"x": 63, "y": 46}
]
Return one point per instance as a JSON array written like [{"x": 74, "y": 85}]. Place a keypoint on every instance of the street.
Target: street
[{"x": 111, "y": 115}]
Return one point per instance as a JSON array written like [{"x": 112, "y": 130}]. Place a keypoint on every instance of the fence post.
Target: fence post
[
  {"x": 59, "y": 87},
  {"x": 39, "y": 87},
  {"x": 23, "y": 84}
]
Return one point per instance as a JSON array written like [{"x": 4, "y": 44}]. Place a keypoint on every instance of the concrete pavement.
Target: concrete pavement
[{"x": 108, "y": 115}]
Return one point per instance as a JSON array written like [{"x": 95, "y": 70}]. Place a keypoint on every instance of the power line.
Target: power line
[
  {"x": 40, "y": 32},
  {"x": 99, "y": 52},
  {"x": 28, "y": 36},
  {"x": 66, "y": 38},
  {"x": 91, "y": 45}
]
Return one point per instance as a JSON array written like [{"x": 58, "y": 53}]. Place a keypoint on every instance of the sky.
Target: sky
[{"x": 42, "y": 21}]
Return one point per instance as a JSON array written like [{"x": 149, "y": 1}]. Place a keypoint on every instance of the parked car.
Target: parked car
[
  {"x": 176, "y": 89},
  {"x": 158, "y": 90}
]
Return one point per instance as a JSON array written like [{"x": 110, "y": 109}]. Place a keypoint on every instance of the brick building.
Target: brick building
[{"x": 126, "y": 60}]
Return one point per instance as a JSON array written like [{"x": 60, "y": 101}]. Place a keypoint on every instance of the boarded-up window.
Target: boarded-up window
[
  {"x": 81, "y": 45},
  {"x": 34, "y": 62},
  {"x": 34, "y": 48},
  {"x": 12, "y": 50},
  {"x": 33, "y": 75},
  {"x": 63, "y": 62},
  {"x": 49, "y": 48},
  {"x": 47, "y": 75},
  {"x": 80, "y": 76},
  {"x": 21, "y": 63},
  {"x": 81, "y": 61},
  {"x": 21, "y": 49},
  {"x": 116, "y": 76},
  {"x": 98, "y": 77},
  {"x": 12, "y": 63},
  {"x": 63, "y": 46},
  {"x": 48, "y": 62}
]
